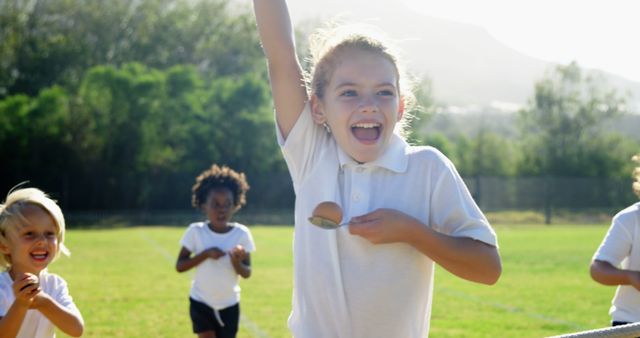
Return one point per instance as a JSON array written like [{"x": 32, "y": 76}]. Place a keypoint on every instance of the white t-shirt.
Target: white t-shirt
[
  {"x": 216, "y": 282},
  {"x": 344, "y": 286},
  {"x": 621, "y": 247},
  {"x": 35, "y": 324}
]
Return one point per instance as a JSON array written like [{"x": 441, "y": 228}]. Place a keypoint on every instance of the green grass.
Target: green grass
[
  {"x": 545, "y": 288},
  {"x": 125, "y": 284}
]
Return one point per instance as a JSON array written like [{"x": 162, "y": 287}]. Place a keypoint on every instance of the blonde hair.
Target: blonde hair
[
  {"x": 636, "y": 175},
  {"x": 11, "y": 217},
  {"x": 328, "y": 45}
]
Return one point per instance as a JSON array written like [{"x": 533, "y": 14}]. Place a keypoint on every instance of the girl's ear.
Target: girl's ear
[
  {"x": 317, "y": 111},
  {"x": 4, "y": 249},
  {"x": 401, "y": 108}
]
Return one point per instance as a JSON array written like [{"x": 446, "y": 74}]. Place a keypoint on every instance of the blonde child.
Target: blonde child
[
  {"x": 219, "y": 250},
  {"x": 33, "y": 302},
  {"x": 617, "y": 261},
  {"x": 407, "y": 206}
]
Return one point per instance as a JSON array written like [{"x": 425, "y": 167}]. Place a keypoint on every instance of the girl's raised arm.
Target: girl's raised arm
[{"x": 287, "y": 84}]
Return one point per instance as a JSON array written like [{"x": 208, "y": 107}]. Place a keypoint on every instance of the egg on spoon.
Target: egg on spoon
[{"x": 328, "y": 211}]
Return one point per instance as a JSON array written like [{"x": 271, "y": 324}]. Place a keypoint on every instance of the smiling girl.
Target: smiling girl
[
  {"x": 33, "y": 302},
  {"x": 407, "y": 207}
]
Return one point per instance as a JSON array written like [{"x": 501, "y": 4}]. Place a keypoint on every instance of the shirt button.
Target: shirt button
[{"x": 356, "y": 197}]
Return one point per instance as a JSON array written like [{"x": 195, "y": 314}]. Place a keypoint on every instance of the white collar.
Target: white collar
[{"x": 394, "y": 157}]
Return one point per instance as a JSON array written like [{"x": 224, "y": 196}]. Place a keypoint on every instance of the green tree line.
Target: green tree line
[
  {"x": 120, "y": 104},
  {"x": 560, "y": 132}
]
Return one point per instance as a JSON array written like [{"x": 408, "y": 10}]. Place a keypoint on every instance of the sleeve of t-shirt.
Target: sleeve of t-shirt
[
  {"x": 453, "y": 210},
  {"x": 5, "y": 292},
  {"x": 616, "y": 245},
  {"x": 62, "y": 296},
  {"x": 247, "y": 241},
  {"x": 301, "y": 146},
  {"x": 188, "y": 239}
]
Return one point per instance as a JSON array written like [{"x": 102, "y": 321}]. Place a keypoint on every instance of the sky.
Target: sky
[{"x": 603, "y": 34}]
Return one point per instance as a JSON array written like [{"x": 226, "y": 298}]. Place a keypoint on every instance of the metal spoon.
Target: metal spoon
[{"x": 325, "y": 223}]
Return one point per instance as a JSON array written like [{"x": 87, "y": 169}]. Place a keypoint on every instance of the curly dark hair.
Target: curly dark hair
[{"x": 220, "y": 177}]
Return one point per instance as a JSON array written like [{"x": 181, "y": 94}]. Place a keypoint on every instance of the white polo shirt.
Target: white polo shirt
[
  {"x": 344, "y": 286},
  {"x": 621, "y": 247}
]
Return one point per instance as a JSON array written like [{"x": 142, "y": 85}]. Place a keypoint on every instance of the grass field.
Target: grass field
[{"x": 125, "y": 284}]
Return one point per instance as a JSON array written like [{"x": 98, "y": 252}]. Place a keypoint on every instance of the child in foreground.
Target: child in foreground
[
  {"x": 33, "y": 302},
  {"x": 617, "y": 261},
  {"x": 219, "y": 250},
  {"x": 407, "y": 207}
]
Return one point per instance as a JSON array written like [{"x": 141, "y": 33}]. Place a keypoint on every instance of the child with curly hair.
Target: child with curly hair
[
  {"x": 33, "y": 302},
  {"x": 617, "y": 261},
  {"x": 219, "y": 250}
]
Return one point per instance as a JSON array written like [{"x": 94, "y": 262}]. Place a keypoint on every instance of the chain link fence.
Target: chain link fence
[
  {"x": 551, "y": 195},
  {"x": 547, "y": 196}
]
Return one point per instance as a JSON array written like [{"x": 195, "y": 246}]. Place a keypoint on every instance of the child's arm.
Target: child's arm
[
  {"x": 67, "y": 321},
  {"x": 186, "y": 262},
  {"x": 605, "y": 273},
  {"x": 241, "y": 261},
  {"x": 464, "y": 257},
  {"x": 11, "y": 322},
  {"x": 287, "y": 84},
  {"x": 24, "y": 288}
]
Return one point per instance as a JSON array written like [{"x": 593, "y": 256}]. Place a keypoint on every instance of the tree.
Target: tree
[
  {"x": 422, "y": 112},
  {"x": 47, "y": 42},
  {"x": 563, "y": 119},
  {"x": 560, "y": 127},
  {"x": 143, "y": 134},
  {"x": 120, "y": 104},
  {"x": 34, "y": 143}
]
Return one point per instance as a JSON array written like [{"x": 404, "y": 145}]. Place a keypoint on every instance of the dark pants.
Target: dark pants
[{"x": 204, "y": 318}]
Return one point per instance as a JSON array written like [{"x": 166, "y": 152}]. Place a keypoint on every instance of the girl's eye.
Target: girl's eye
[
  {"x": 225, "y": 205},
  {"x": 349, "y": 92},
  {"x": 386, "y": 92},
  {"x": 50, "y": 234},
  {"x": 28, "y": 234}
]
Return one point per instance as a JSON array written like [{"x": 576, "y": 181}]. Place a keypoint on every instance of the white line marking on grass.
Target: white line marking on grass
[
  {"x": 244, "y": 320},
  {"x": 251, "y": 326},
  {"x": 510, "y": 308},
  {"x": 158, "y": 248}
]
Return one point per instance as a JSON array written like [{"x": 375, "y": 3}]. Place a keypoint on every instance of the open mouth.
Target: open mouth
[
  {"x": 39, "y": 255},
  {"x": 366, "y": 132}
]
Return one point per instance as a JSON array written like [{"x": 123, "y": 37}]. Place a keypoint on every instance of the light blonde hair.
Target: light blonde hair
[
  {"x": 636, "y": 175},
  {"x": 328, "y": 45},
  {"x": 12, "y": 217}
]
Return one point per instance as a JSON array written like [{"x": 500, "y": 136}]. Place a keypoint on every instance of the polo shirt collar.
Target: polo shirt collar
[{"x": 394, "y": 157}]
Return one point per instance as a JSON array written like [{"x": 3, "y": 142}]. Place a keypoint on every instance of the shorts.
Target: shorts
[
  {"x": 617, "y": 323},
  {"x": 223, "y": 322}
]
